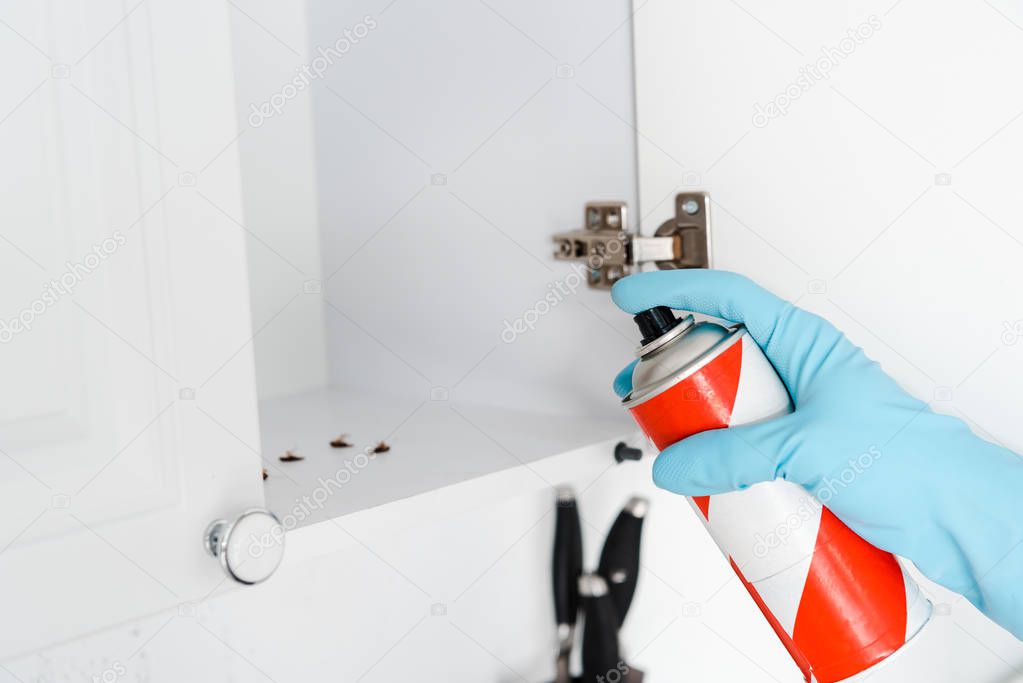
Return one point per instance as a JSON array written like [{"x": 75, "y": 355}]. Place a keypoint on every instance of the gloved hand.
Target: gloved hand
[{"x": 932, "y": 491}]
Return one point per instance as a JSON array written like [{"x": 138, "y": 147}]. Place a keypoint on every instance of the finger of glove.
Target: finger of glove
[
  {"x": 623, "y": 381},
  {"x": 793, "y": 339},
  {"x": 712, "y": 292},
  {"x": 722, "y": 460}
]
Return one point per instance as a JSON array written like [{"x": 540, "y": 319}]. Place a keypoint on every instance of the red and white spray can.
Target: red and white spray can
[{"x": 839, "y": 605}]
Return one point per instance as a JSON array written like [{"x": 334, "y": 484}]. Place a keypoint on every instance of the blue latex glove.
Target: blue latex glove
[{"x": 932, "y": 491}]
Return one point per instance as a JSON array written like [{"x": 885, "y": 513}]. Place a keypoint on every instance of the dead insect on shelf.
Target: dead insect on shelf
[
  {"x": 291, "y": 456},
  {"x": 265, "y": 474},
  {"x": 381, "y": 447},
  {"x": 340, "y": 442}
]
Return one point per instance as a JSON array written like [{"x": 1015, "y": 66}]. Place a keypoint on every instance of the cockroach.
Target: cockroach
[
  {"x": 265, "y": 474},
  {"x": 291, "y": 456},
  {"x": 381, "y": 447},
  {"x": 340, "y": 442}
]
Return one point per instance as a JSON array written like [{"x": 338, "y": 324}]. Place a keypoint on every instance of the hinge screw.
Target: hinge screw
[{"x": 624, "y": 452}]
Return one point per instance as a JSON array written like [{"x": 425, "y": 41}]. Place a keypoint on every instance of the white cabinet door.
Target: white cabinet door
[
  {"x": 863, "y": 162},
  {"x": 128, "y": 413}
]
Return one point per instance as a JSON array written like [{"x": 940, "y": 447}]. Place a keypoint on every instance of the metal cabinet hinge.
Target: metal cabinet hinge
[{"x": 611, "y": 251}]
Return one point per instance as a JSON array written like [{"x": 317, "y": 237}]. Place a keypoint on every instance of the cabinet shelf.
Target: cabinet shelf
[{"x": 433, "y": 444}]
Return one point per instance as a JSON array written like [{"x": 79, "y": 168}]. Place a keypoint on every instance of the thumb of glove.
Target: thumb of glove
[
  {"x": 727, "y": 459},
  {"x": 623, "y": 381}
]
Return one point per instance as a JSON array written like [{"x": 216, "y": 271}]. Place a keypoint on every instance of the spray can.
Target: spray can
[{"x": 839, "y": 605}]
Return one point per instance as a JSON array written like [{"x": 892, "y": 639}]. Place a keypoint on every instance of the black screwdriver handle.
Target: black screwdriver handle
[
  {"x": 568, "y": 557},
  {"x": 619, "y": 559},
  {"x": 601, "y": 660}
]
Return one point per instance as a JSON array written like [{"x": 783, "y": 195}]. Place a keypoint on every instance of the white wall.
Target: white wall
[{"x": 449, "y": 152}]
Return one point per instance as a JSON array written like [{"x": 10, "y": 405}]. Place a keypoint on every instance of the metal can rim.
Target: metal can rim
[
  {"x": 635, "y": 398},
  {"x": 688, "y": 323}
]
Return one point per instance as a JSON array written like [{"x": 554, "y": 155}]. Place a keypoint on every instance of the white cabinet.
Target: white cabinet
[
  {"x": 333, "y": 281},
  {"x": 401, "y": 208},
  {"x": 128, "y": 420}
]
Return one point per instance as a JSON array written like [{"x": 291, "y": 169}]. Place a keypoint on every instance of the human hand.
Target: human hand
[{"x": 923, "y": 486}]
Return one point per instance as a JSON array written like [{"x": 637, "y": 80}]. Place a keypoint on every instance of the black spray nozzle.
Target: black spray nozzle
[{"x": 654, "y": 322}]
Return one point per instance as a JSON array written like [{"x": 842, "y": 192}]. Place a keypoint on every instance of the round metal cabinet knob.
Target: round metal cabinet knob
[{"x": 250, "y": 548}]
